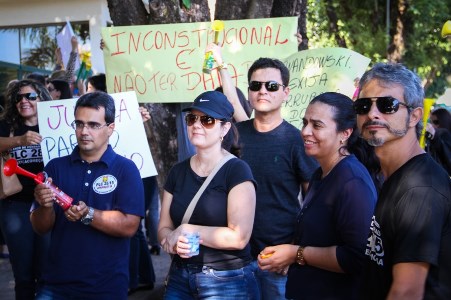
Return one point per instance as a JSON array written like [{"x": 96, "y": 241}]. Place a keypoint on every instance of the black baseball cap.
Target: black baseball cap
[{"x": 213, "y": 103}]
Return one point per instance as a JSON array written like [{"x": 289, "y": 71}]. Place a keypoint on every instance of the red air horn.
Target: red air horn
[{"x": 62, "y": 199}]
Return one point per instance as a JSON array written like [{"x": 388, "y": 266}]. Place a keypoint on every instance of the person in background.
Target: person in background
[
  {"x": 356, "y": 85},
  {"x": 59, "y": 89},
  {"x": 438, "y": 137},
  {"x": 19, "y": 135},
  {"x": 243, "y": 101},
  {"x": 92, "y": 237},
  {"x": 410, "y": 234},
  {"x": 326, "y": 259},
  {"x": 37, "y": 77},
  {"x": 62, "y": 71},
  {"x": 223, "y": 215},
  {"x": 153, "y": 211},
  {"x": 3, "y": 249},
  {"x": 274, "y": 150},
  {"x": 94, "y": 83}
]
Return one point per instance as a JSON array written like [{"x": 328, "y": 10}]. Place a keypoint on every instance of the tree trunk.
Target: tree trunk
[
  {"x": 333, "y": 24},
  {"x": 397, "y": 48},
  {"x": 127, "y": 12}
]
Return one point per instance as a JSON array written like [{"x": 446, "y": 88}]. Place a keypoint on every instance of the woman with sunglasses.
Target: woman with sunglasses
[
  {"x": 223, "y": 216},
  {"x": 326, "y": 258},
  {"x": 438, "y": 137},
  {"x": 19, "y": 135}
]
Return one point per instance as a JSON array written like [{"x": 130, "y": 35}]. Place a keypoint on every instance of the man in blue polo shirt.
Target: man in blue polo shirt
[{"x": 89, "y": 249}]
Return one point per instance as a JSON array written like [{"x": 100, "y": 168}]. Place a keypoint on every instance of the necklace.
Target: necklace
[{"x": 203, "y": 172}]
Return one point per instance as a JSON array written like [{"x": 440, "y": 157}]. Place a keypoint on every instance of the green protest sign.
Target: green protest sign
[
  {"x": 163, "y": 63},
  {"x": 317, "y": 71}
]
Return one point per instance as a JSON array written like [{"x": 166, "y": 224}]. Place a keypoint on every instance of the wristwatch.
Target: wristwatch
[{"x": 87, "y": 219}]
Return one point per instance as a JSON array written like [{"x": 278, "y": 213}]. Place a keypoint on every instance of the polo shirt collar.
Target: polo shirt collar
[{"x": 107, "y": 157}]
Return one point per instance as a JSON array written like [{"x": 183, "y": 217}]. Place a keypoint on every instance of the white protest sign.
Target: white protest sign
[
  {"x": 129, "y": 137},
  {"x": 316, "y": 71}
]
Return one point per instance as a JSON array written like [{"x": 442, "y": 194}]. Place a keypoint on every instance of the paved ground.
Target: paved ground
[{"x": 160, "y": 263}]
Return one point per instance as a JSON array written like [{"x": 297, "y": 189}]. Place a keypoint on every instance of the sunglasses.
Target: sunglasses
[
  {"x": 271, "y": 86},
  {"x": 206, "y": 121},
  {"x": 435, "y": 122},
  {"x": 386, "y": 105},
  {"x": 28, "y": 96}
]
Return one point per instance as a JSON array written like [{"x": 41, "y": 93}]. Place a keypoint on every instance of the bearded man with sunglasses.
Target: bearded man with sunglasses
[
  {"x": 274, "y": 150},
  {"x": 409, "y": 244},
  {"x": 90, "y": 245}
]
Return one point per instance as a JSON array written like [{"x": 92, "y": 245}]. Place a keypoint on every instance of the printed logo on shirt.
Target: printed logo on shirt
[
  {"x": 104, "y": 184},
  {"x": 374, "y": 247},
  {"x": 27, "y": 154}
]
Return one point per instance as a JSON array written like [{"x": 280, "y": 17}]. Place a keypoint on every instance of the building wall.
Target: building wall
[{"x": 32, "y": 12}]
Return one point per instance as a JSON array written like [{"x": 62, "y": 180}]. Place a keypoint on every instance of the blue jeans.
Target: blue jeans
[
  {"x": 271, "y": 285},
  {"x": 27, "y": 250},
  {"x": 202, "y": 282}
]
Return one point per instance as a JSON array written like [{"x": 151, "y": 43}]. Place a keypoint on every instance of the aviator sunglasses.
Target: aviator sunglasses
[
  {"x": 206, "y": 121},
  {"x": 271, "y": 86},
  {"x": 386, "y": 105},
  {"x": 28, "y": 96}
]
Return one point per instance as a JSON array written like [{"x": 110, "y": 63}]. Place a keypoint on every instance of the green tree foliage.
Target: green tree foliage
[{"x": 413, "y": 37}]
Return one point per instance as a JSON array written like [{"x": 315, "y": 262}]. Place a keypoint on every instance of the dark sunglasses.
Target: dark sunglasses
[
  {"x": 271, "y": 86},
  {"x": 28, "y": 96},
  {"x": 206, "y": 121},
  {"x": 435, "y": 122},
  {"x": 386, "y": 105}
]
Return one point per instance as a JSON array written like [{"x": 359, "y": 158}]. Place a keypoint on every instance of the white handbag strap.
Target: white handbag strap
[{"x": 193, "y": 203}]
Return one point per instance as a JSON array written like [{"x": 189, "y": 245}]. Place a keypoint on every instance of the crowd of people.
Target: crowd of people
[{"x": 349, "y": 206}]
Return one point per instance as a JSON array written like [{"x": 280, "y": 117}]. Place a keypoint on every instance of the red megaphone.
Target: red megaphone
[
  {"x": 11, "y": 168},
  {"x": 62, "y": 199}
]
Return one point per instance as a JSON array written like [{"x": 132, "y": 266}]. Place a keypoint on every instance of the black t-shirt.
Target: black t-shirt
[
  {"x": 28, "y": 158},
  {"x": 278, "y": 161},
  {"x": 412, "y": 223},
  {"x": 211, "y": 209}
]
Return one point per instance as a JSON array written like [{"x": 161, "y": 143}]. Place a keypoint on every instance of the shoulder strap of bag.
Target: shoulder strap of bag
[
  {"x": 5, "y": 154},
  {"x": 193, "y": 203}
]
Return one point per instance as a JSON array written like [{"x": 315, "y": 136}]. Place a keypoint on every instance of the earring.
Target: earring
[
  {"x": 221, "y": 138},
  {"x": 341, "y": 142}
]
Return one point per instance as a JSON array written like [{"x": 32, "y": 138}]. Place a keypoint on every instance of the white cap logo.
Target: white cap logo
[{"x": 203, "y": 100}]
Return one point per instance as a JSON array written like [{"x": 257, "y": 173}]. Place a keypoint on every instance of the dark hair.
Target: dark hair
[
  {"x": 62, "y": 86},
  {"x": 264, "y": 63},
  {"x": 345, "y": 118},
  {"x": 10, "y": 114},
  {"x": 388, "y": 74},
  {"x": 443, "y": 118},
  {"x": 98, "y": 82},
  {"x": 244, "y": 102},
  {"x": 231, "y": 141},
  {"x": 37, "y": 77},
  {"x": 97, "y": 100}
]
